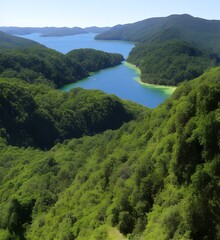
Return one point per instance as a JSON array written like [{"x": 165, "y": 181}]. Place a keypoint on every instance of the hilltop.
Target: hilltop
[
  {"x": 170, "y": 49},
  {"x": 201, "y": 31}
]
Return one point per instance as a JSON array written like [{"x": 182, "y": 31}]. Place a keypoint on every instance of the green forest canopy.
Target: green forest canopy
[
  {"x": 36, "y": 115},
  {"x": 41, "y": 64},
  {"x": 170, "y": 62},
  {"x": 170, "y": 49},
  {"x": 86, "y": 165},
  {"x": 8, "y": 41},
  {"x": 156, "y": 177},
  {"x": 203, "y": 32}
]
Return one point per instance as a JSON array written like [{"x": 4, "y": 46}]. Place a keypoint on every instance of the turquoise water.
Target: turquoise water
[{"x": 119, "y": 80}]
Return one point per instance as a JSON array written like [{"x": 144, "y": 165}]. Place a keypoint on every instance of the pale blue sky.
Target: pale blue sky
[{"x": 84, "y": 13}]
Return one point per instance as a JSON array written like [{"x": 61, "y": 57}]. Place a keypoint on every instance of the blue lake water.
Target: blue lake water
[
  {"x": 68, "y": 43},
  {"x": 120, "y": 80}
]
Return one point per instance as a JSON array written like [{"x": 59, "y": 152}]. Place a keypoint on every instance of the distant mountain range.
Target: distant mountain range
[
  {"x": 52, "y": 31},
  {"x": 185, "y": 27},
  {"x": 7, "y": 40},
  {"x": 97, "y": 29}
]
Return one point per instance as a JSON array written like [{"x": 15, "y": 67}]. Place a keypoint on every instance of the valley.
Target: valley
[{"x": 86, "y": 164}]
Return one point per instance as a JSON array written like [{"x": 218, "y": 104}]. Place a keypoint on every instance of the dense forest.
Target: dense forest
[
  {"x": 9, "y": 41},
  {"x": 41, "y": 64},
  {"x": 171, "y": 49},
  {"x": 155, "y": 177},
  {"x": 87, "y": 165},
  {"x": 171, "y": 62},
  {"x": 36, "y": 115},
  {"x": 191, "y": 29},
  {"x": 94, "y": 60}
]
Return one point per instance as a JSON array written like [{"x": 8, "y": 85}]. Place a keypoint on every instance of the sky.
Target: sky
[{"x": 86, "y": 13}]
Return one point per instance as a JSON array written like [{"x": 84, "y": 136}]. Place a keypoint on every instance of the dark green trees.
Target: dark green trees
[
  {"x": 171, "y": 62},
  {"x": 150, "y": 174},
  {"x": 156, "y": 177},
  {"x": 94, "y": 60},
  {"x": 40, "y": 64},
  {"x": 39, "y": 116},
  {"x": 8, "y": 41},
  {"x": 170, "y": 49}
]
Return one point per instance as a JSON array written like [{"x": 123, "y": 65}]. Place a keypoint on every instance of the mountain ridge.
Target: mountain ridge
[
  {"x": 9, "y": 41},
  {"x": 142, "y": 30},
  {"x": 158, "y": 39}
]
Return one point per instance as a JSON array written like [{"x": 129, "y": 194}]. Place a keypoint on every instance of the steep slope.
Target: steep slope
[
  {"x": 36, "y": 115},
  {"x": 8, "y": 41},
  {"x": 41, "y": 64},
  {"x": 169, "y": 62},
  {"x": 155, "y": 178},
  {"x": 202, "y": 31},
  {"x": 172, "y": 49}
]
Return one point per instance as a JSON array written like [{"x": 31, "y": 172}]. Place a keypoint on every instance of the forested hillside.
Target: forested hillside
[
  {"x": 64, "y": 31},
  {"x": 41, "y": 64},
  {"x": 94, "y": 60},
  {"x": 9, "y": 41},
  {"x": 87, "y": 165},
  {"x": 171, "y": 49},
  {"x": 36, "y": 115},
  {"x": 170, "y": 62},
  {"x": 157, "y": 177},
  {"x": 204, "y": 32}
]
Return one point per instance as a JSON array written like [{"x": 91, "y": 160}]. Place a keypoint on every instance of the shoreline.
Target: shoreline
[{"x": 167, "y": 89}]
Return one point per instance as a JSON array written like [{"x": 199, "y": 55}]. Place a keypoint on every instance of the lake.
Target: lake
[{"x": 122, "y": 80}]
